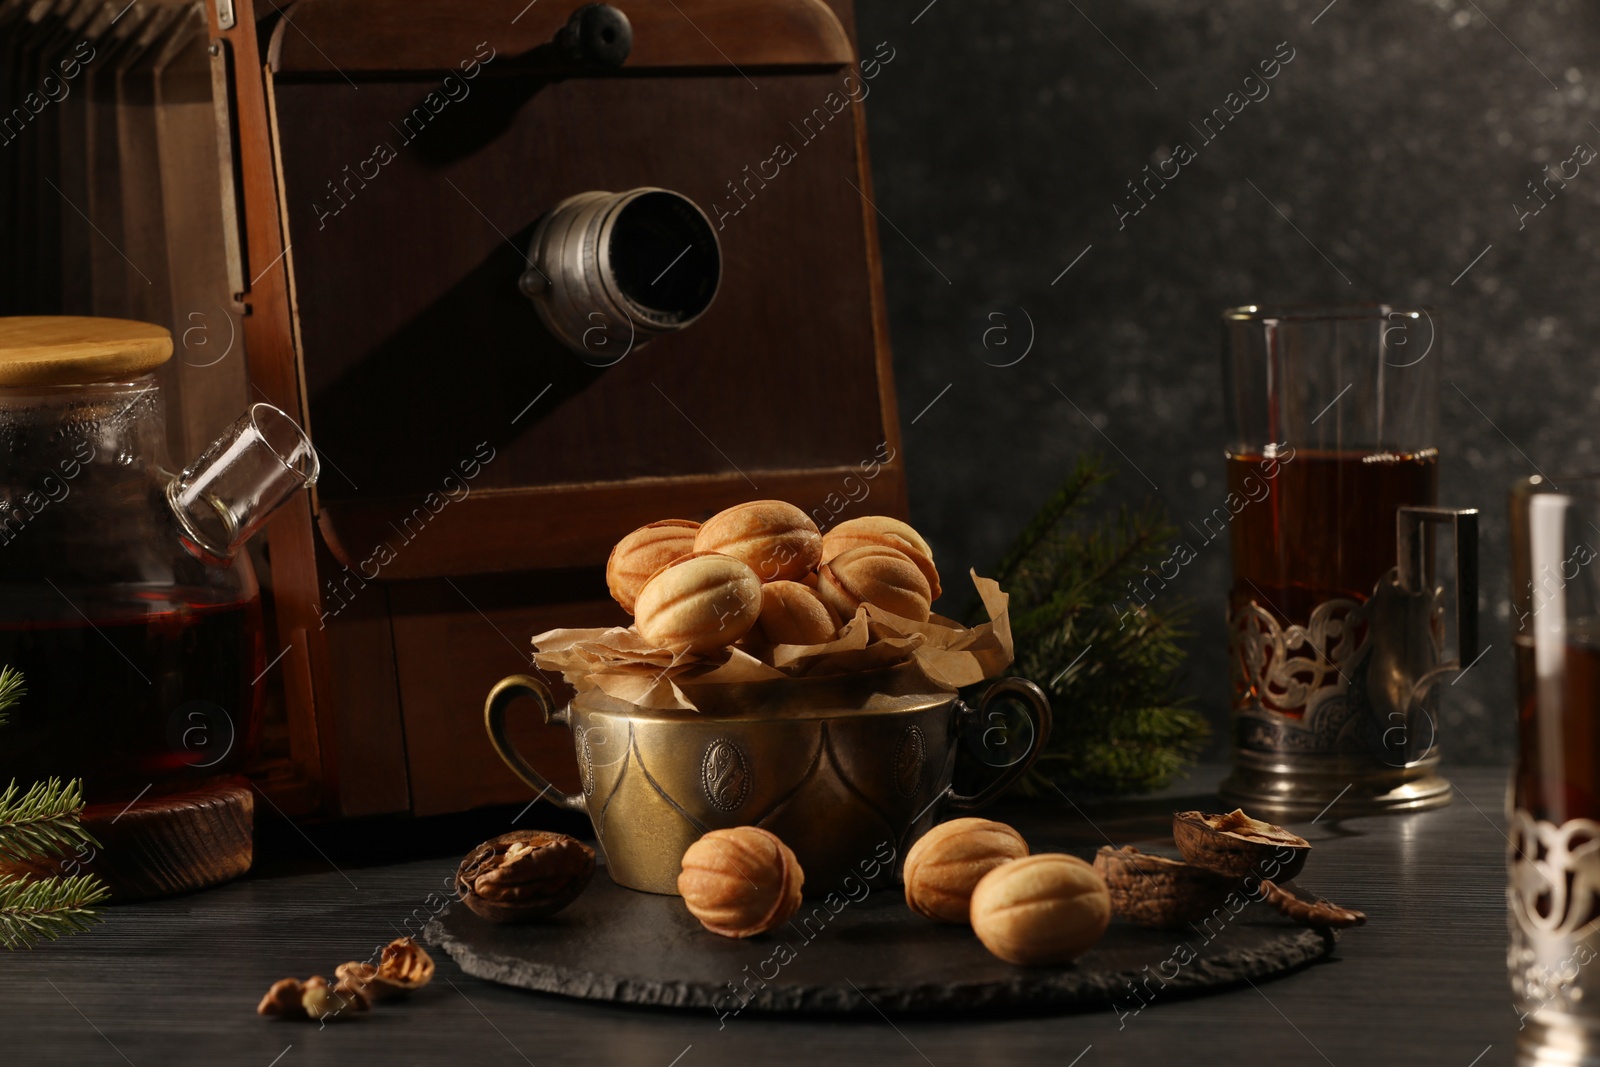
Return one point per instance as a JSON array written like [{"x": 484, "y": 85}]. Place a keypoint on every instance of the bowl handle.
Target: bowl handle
[
  {"x": 508, "y": 689},
  {"x": 1039, "y": 708}
]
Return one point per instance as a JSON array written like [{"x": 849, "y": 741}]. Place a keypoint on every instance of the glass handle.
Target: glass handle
[{"x": 1413, "y": 567}]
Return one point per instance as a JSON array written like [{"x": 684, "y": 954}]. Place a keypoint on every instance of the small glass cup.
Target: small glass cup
[{"x": 235, "y": 485}]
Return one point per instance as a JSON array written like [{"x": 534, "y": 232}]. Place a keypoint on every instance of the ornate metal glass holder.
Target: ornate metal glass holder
[
  {"x": 1336, "y": 625},
  {"x": 1554, "y": 841}
]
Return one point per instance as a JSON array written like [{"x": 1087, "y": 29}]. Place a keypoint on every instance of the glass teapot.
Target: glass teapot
[{"x": 124, "y": 598}]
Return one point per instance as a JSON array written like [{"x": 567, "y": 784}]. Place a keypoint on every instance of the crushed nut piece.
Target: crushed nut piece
[
  {"x": 405, "y": 965},
  {"x": 324, "y": 1002},
  {"x": 1321, "y": 913},
  {"x": 283, "y": 999}
]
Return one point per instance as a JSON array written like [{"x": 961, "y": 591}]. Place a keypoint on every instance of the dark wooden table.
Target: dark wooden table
[{"x": 176, "y": 982}]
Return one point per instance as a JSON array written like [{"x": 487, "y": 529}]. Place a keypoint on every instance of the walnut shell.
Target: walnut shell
[
  {"x": 793, "y": 614},
  {"x": 874, "y": 575},
  {"x": 946, "y": 864},
  {"x": 1048, "y": 908},
  {"x": 773, "y": 538},
  {"x": 643, "y": 552},
  {"x": 364, "y": 977},
  {"x": 740, "y": 882},
  {"x": 523, "y": 875},
  {"x": 283, "y": 999},
  {"x": 1150, "y": 890},
  {"x": 888, "y": 533},
  {"x": 699, "y": 603},
  {"x": 1238, "y": 846},
  {"x": 403, "y": 966}
]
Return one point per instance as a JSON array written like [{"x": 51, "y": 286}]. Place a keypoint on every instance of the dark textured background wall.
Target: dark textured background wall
[{"x": 1394, "y": 149}]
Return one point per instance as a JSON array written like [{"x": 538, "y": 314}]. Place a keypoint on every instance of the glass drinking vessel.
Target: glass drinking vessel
[
  {"x": 1554, "y": 839},
  {"x": 1335, "y": 626}
]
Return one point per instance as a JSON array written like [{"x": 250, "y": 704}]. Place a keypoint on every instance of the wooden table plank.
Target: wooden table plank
[{"x": 176, "y": 982}]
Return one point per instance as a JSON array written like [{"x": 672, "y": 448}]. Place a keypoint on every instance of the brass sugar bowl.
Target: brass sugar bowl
[{"x": 844, "y": 769}]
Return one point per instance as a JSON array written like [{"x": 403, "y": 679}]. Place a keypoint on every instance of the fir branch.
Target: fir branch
[
  {"x": 1115, "y": 669},
  {"x": 11, "y": 690},
  {"x": 1085, "y": 478},
  {"x": 43, "y": 821},
  {"x": 43, "y": 909}
]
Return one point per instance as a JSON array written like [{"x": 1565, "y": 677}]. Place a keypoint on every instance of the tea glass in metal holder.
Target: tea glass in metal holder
[
  {"x": 1554, "y": 835},
  {"x": 1336, "y": 628}
]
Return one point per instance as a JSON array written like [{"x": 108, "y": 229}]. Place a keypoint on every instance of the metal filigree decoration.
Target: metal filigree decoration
[
  {"x": 908, "y": 759},
  {"x": 1555, "y": 874},
  {"x": 580, "y": 737},
  {"x": 1293, "y": 682},
  {"x": 1554, "y": 900},
  {"x": 725, "y": 774}
]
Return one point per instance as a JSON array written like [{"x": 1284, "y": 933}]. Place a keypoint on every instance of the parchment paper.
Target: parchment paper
[{"x": 619, "y": 662}]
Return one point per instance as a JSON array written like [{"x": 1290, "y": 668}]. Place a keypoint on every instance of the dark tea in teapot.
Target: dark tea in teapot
[
  {"x": 125, "y": 601},
  {"x": 125, "y": 701}
]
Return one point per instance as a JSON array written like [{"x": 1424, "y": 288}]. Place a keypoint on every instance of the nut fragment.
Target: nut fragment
[
  {"x": 772, "y": 537},
  {"x": 1238, "y": 846},
  {"x": 523, "y": 875},
  {"x": 699, "y": 603},
  {"x": 1321, "y": 913},
  {"x": 363, "y": 977},
  {"x": 1049, "y": 908},
  {"x": 793, "y": 614},
  {"x": 643, "y": 552},
  {"x": 740, "y": 882},
  {"x": 946, "y": 864},
  {"x": 888, "y": 533},
  {"x": 403, "y": 966},
  {"x": 323, "y": 1002},
  {"x": 1156, "y": 891},
  {"x": 876, "y": 575},
  {"x": 406, "y": 965},
  {"x": 283, "y": 999}
]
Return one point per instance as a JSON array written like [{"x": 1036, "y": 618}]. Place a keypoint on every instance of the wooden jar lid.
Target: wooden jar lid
[{"x": 74, "y": 349}]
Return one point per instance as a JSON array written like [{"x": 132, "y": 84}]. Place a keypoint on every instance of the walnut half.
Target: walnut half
[
  {"x": 1151, "y": 890},
  {"x": 523, "y": 875},
  {"x": 1238, "y": 846}
]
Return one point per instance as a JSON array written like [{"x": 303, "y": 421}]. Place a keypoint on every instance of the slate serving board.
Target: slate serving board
[{"x": 873, "y": 954}]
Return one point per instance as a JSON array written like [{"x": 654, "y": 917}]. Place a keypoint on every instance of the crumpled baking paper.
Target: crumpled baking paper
[{"x": 620, "y": 663}]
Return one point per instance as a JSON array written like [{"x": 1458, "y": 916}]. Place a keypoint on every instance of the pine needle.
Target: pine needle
[
  {"x": 42, "y": 909},
  {"x": 43, "y": 821},
  {"x": 11, "y": 690},
  {"x": 1078, "y": 636}
]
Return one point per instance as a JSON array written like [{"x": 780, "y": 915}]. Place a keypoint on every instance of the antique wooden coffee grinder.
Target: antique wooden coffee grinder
[{"x": 530, "y": 275}]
